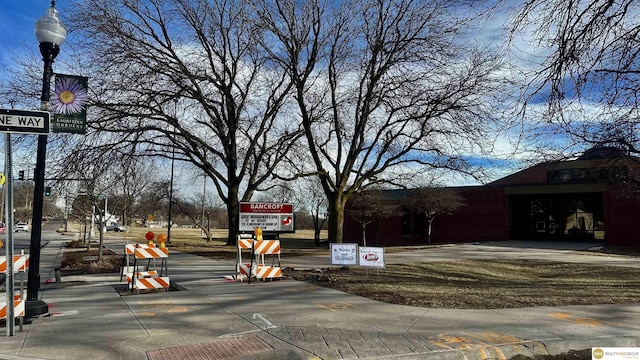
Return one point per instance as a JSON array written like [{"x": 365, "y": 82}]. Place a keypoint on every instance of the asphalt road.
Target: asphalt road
[{"x": 22, "y": 240}]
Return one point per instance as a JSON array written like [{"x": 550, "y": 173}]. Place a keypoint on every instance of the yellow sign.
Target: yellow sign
[
  {"x": 3, "y": 179},
  {"x": 150, "y": 217}
]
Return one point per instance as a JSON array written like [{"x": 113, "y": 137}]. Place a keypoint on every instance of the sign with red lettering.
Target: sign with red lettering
[{"x": 271, "y": 217}]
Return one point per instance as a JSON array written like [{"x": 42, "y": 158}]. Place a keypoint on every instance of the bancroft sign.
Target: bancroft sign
[{"x": 271, "y": 217}]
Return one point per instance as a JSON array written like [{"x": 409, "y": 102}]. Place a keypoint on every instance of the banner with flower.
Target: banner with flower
[{"x": 69, "y": 104}]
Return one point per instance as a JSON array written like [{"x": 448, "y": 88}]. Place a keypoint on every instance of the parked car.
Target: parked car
[
  {"x": 21, "y": 226},
  {"x": 113, "y": 226}
]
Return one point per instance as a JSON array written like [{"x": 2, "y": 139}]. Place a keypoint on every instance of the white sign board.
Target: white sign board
[
  {"x": 22, "y": 121},
  {"x": 371, "y": 256},
  {"x": 344, "y": 254},
  {"x": 271, "y": 217}
]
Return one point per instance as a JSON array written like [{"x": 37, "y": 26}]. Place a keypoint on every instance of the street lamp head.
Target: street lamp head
[{"x": 49, "y": 29}]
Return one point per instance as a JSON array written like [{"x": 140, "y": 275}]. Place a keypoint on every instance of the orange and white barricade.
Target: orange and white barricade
[
  {"x": 129, "y": 250},
  {"x": 150, "y": 279},
  {"x": 267, "y": 247},
  {"x": 257, "y": 266},
  {"x": 140, "y": 274},
  {"x": 147, "y": 283},
  {"x": 20, "y": 263},
  {"x": 243, "y": 269},
  {"x": 18, "y": 308}
]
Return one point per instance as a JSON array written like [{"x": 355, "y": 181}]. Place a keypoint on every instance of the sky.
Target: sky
[
  {"x": 17, "y": 21},
  {"x": 18, "y": 18}
]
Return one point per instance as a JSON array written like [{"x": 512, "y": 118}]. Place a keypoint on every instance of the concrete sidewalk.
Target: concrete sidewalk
[{"x": 213, "y": 318}]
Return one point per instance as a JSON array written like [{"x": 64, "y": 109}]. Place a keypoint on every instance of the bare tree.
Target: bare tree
[
  {"x": 369, "y": 206},
  {"x": 189, "y": 79},
  {"x": 198, "y": 215},
  {"x": 581, "y": 64},
  {"x": 385, "y": 89},
  {"x": 131, "y": 177},
  {"x": 92, "y": 169},
  {"x": 433, "y": 202},
  {"x": 310, "y": 197}
]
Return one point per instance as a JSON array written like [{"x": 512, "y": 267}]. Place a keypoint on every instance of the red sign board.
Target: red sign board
[{"x": 270, "y": 208}]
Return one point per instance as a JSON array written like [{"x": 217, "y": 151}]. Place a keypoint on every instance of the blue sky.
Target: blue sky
[{"x": 17, "y": 21}]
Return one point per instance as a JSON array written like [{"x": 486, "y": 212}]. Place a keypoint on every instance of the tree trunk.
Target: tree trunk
[
  {"x": 233, "y": 212},
  {"x": 364, "y": 235},
  {"x": 429, "y": 222},
  {"x": 336, "y": 219},
  {"x": 316, "y": 230},
  {"x": 100, "y": 246}
]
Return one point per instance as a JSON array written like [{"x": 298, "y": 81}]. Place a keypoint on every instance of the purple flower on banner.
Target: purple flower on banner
[{"x": 70, "y": 96}]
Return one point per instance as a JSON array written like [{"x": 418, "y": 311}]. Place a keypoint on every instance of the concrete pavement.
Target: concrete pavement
[{"x": 213, "y": 318}]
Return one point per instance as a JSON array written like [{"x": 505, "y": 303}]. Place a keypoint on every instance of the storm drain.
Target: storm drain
[{"x": 222, "y": 349}]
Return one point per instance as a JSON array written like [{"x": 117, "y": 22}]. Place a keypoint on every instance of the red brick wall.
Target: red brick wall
[
  {"x": 621, "y": 212},
  {"x": 484, "y": 217}
]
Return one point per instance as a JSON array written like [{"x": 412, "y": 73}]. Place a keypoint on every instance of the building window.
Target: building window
[{"x": 610, "y": 174}]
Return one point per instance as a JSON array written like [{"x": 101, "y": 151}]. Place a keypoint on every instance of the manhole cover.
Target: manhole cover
[{"x": 214, "y": 350}]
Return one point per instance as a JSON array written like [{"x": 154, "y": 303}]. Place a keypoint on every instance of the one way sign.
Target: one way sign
[{"x": 23, "y": 121}]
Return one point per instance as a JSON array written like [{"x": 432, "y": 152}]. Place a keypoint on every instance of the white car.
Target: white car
[
  {"x": 113, "y": 226},
  {"x": 21, "y": 226}
]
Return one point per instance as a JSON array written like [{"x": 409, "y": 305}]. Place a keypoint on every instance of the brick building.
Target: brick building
[{"x": 594, "y": 197}]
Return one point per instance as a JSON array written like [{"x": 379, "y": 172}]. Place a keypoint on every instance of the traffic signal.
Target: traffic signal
[
  {"x": 47, "y": 191},
  {"x": 21, "y": 175}
]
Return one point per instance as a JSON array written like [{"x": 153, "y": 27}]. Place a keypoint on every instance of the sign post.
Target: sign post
[
  {"x": 25, "y": 122},
  {"x": 9, "y": 287}
]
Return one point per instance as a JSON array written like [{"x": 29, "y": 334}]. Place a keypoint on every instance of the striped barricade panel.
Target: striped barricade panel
[
  {"x": 131, "y": 248},
  {"x": 152, "y": 283},
  {"x": 141, "y": 274},
  {"x": 245, "y": 243},
  {"x": 242, "y": 269},
  {"x": 267, "y": 247},
  {"x": 20, "y": 263},
  {"x": 18, "y": 309},
  {"x": 151, "y": 253},
  {"x": 268, "y": 272}
]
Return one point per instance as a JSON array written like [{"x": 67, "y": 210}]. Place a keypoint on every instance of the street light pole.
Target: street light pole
[
  {"x": 50, "y": 33},
  {"x": 173, "y": 157}
]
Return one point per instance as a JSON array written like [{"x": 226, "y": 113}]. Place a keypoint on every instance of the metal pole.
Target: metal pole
[
  {"x": 66, "y": 211},
  {"x": 9, "y": 287},
  {"x": 104, "y": 216},
  {"x": 204, "y": 194},
  {"x": 173, "y": 156},
  {"x": 34, "y": 306}
]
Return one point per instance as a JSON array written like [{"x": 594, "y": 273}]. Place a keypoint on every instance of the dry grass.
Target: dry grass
[
  {"x": 191, "y": 241},
  {"x": 485, "y": 284}
]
